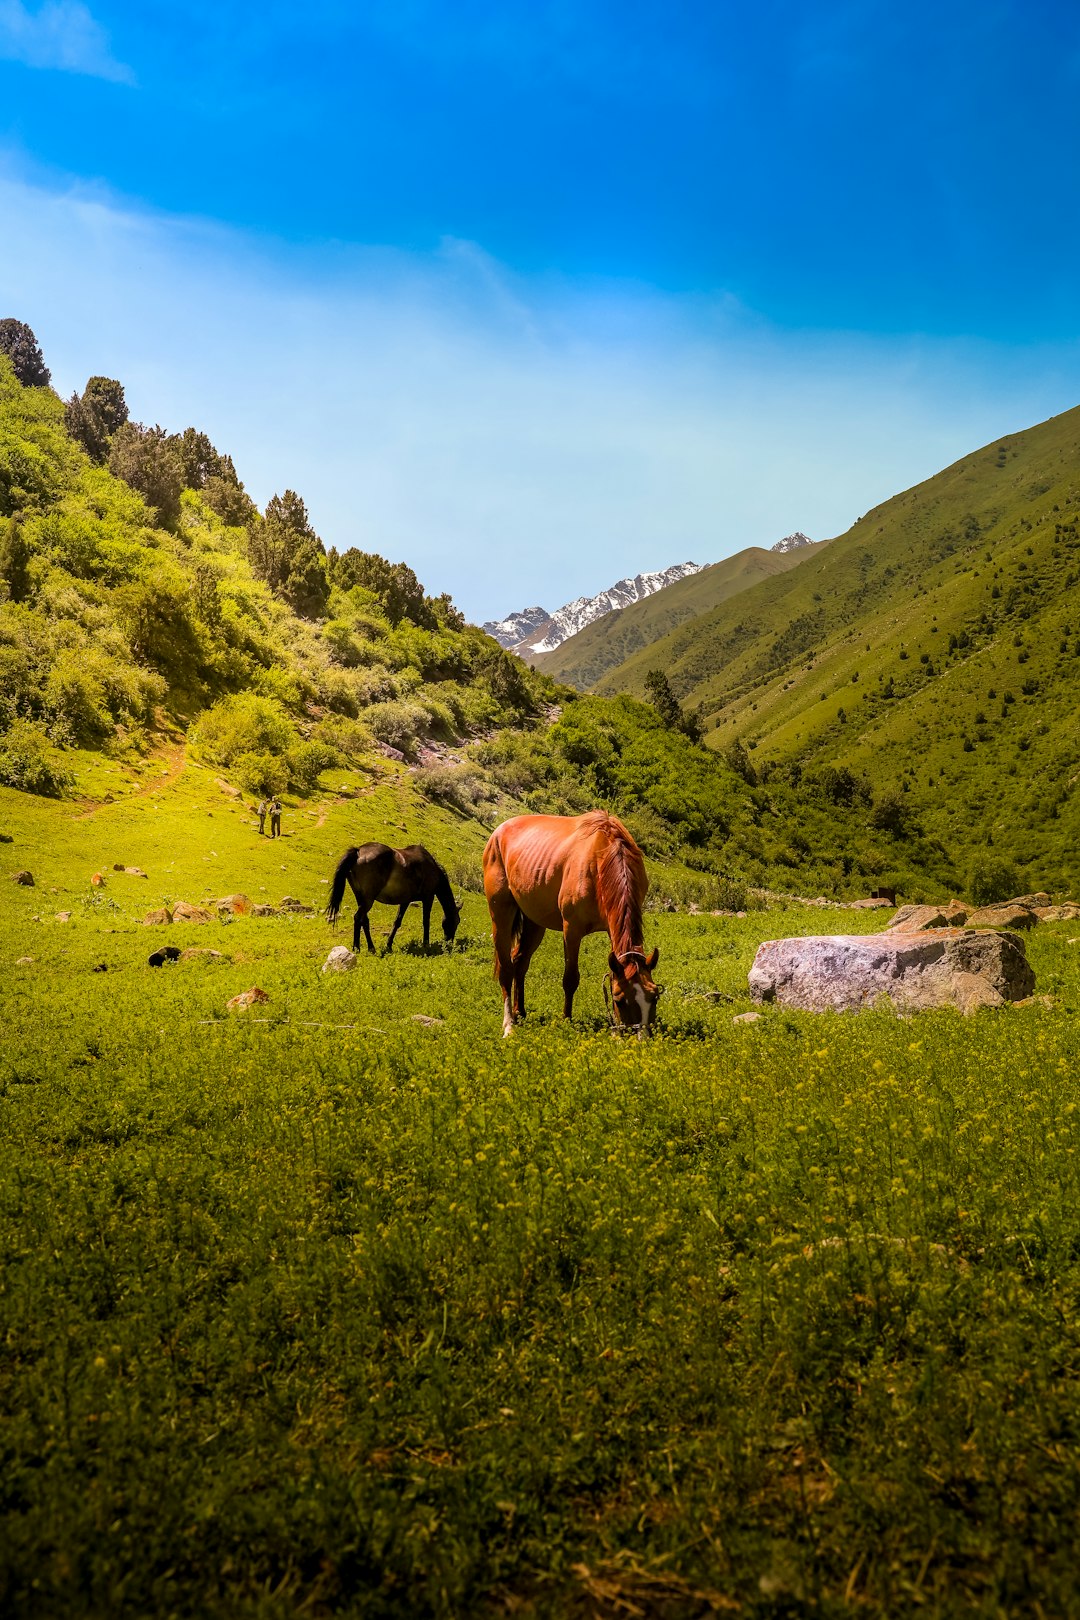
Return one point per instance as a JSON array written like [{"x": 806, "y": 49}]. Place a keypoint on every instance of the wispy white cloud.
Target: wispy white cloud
[
  {"x": 516, "y": 439},
  {"x": 60, "y": 34}
]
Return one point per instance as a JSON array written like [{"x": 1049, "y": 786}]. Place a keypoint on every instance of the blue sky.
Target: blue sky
[{"x": 535, "y": 295}]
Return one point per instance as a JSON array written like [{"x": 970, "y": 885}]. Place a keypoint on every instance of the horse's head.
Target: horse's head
[
  {"x": 451, "y": 918},
  {"x": 634, "y": 990}
]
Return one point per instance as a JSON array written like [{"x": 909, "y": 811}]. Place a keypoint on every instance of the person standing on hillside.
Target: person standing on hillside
[
  {"x": 261, "y": 813},
  {"x": 275, "y": 817}
]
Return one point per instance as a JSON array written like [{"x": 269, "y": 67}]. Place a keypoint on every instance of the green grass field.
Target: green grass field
[{"x": 323, "y": 1310}]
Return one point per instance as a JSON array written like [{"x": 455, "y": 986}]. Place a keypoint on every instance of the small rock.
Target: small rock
[
  {"x": 428, "y": 1023},
  {"x": 100, "y": 967},
  {"x": 25, "y": 878},
  {"x": 340, "y": 960},
  {"x": 167, "y": 953},
  {"x": 97, "y": 881},
  {"x": 63, "y": 916},
  {"x": 246, "y": 999},
  {"x": 234, "y": 904},
  {"x": 23, "y": 961},
  {"x": 746, "y": 1018},
  {"x": 298, "y": 907},
  {"x": 154, "y": 918},
  {"x": 195, "y": 952},
  {"x": 916, "y": 919},
  {"x": 184, "y": 912},
  {"x": 227, "y": 788},
  {"x": 264, "y": 911},
  {"x": 1036, "y": 1001},
  {"x": 6, "y": 838},
  {"x": 129, "y": 871}
]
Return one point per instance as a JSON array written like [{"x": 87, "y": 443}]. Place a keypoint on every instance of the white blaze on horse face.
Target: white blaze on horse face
[{"x": 644, "y": 1006}]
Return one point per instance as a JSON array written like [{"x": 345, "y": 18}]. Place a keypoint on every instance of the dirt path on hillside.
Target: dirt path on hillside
[{"x": 175, "y": 759}]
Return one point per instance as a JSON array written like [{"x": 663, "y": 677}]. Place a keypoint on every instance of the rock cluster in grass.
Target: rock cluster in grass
[{"x": 941, "y": 967}]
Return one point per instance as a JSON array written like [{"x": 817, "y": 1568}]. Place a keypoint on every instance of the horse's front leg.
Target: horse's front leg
[
  {"x": 571, "y": 978},
  {"x": 425, "y": 906},
  {"x": 401, "y": 910}
]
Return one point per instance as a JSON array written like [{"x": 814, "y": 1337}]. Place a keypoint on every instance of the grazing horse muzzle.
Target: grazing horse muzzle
[{"x": 634, "y": 993}]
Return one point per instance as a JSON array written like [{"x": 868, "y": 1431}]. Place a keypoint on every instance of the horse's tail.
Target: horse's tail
[{"x": 345, "y": 867}]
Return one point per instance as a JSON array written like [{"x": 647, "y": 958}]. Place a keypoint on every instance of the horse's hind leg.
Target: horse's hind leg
[
  {"x": 361, "y": 921},
  {"x": 504, "y": 914},
  {"x": 425, "y": 906},
  {"x": 522, "y": 955}
]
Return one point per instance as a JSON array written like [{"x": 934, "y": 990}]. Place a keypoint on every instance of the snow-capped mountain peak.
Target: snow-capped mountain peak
[
  {"x": 792, "y": 542},
  {"x": 534, "y": 631}
]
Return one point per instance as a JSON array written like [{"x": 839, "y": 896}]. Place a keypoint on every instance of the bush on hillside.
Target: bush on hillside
[
  {"x": 25, "y": 762},
  {"x": 263, "y": 774},
  {"x": 397, "y": 724},
  {"x": 461, "y": 786},
  {"x": 242, "y": 724},
  {"x": 308, "y": 760},
  {"x": 992, "y": 880}
]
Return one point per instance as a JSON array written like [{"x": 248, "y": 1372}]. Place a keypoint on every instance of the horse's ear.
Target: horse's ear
[
  {"x": 615, "y": 965},
  {"x": 651, "y": 961}
]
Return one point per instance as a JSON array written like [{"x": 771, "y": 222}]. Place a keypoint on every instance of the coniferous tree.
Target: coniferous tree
[
  {"x": 20, "y": 345},
  {"x": 106, "y": 396},
  {"x": 85, "y": 426},
  {"x": 143, "y": 458},
  {"x": 285, "y": 551}
]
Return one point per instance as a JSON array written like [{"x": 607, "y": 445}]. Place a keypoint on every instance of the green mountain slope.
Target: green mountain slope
[
  {"x": 933, "y": 650},
  {"x": 586, "y": 658}
]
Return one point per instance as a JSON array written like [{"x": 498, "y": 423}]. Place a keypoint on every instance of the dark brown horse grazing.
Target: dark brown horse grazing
[
  {"x": 396, "y": 877},
  {"x": 576, "y": 875}
]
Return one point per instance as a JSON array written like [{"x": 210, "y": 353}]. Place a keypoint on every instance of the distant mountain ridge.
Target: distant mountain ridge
[
  {"x": 584, "y": 659},
  {"x": 533, "y": 631}
]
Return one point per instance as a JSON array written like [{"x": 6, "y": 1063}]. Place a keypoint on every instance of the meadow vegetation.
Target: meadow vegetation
[{"x": 322, "y": 1309}]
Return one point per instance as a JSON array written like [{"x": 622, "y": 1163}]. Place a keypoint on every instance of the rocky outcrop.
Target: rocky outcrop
[
  {"x": 161, "y": 914},
  {"x": 1068, "y": 911},
  {"x": 296, "y": 907},
  {"x": 234, "y": 905},
  {"x": 941, "y": 967},
  {"x": 129, "y": 871},
  {"x": 1012, "y": 915}
]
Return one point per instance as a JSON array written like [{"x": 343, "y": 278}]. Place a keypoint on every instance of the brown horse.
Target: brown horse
[
  {"x": 576, "y": 875},
  {"x": 396, "y": 877}
]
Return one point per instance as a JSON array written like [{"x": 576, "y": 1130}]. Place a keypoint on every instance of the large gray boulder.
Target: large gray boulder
[
  {"x": 943, "y": 967},
  {"x": 340, "y": 960}
]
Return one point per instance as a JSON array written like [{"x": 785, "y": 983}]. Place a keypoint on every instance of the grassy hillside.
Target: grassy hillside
[
  {"x": 584, "y": 659},
  {"x": 932, "y": 653},
  {"x": 148, "y": 626}
]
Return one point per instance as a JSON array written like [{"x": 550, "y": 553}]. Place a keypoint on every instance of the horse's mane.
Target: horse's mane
[{"x": 621, "y": 882}]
